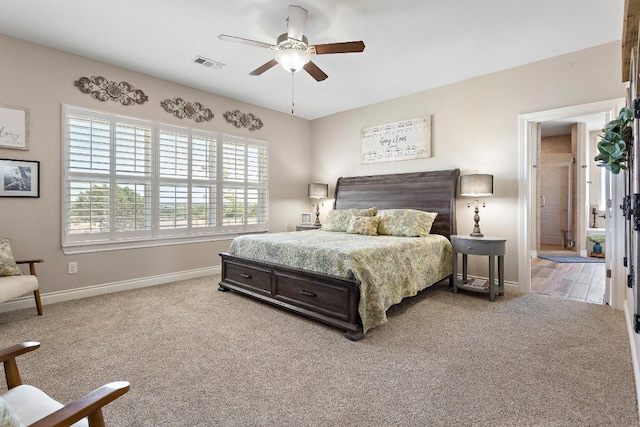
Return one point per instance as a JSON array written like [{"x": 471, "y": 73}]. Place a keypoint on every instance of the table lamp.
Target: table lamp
[
  {"x": 476, "y": 185},
  {"x": 318, "y": 191}
]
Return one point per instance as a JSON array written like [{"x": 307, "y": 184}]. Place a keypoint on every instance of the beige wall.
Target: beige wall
[
  {"x": 42, "y": 79},
  {"x": 475, "y": 127}
]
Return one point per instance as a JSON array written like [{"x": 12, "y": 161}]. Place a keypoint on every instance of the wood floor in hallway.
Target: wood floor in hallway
[{"x": 575, "y": 281}]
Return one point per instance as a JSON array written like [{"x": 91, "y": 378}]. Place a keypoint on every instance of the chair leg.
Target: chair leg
[{"x": 36, "y": 294}]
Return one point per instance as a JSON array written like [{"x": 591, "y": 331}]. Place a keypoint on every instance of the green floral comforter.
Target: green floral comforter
[{"x": 389, "y": 268}]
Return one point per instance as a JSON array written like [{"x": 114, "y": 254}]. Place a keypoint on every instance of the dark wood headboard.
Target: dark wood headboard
[{"x": 432, "y": 191}]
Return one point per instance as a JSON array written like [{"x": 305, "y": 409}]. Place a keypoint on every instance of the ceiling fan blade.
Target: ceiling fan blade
[
  {"x": 314, "y": 71},
  {"x": 261, "y": 69},
  {"x": 344, "y": 47},
  {"x": 228, "y": 38},
  {"x": 297, "y": 19}
]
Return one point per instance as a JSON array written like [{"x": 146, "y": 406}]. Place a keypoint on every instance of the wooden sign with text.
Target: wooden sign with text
[{"x": 402, "y": 140}]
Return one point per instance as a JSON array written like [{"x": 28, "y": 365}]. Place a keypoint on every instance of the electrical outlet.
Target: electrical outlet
[{"x": 72, "y": 267}]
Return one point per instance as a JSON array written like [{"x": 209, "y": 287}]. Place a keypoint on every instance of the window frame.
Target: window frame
[{"x": 153, "y": 234}]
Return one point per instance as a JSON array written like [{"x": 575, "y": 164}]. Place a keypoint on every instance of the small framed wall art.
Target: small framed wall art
[
  {"x": 305, "y": 219},
  {"x": 14, "y": 127},
  {"x": 20, "y": 178}
]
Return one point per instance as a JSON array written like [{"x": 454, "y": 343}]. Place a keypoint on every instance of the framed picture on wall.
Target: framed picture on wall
[
  {"x": 14, "y": 127},
  {"x": 305, "y": 219},
  {"x": 20, "y": 178}
]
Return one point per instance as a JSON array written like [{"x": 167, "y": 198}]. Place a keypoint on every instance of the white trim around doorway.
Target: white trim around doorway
[{"x": 527, "y": 156}]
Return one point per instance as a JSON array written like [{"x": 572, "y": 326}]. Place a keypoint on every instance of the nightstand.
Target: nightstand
[
  {"x": 488, "y": 246},
  {"x": 307, "y": 227}
]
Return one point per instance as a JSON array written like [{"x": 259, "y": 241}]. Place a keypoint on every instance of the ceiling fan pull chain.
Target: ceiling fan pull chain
[{"x": 292, "y": 73}]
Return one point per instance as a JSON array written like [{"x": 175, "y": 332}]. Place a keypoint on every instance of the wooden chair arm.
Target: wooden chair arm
[
  {"x": 18, "y": 349},
  {"x": 31, "y": 262},
  {"x": 8, "y": 357},
  {"x": 89, "y": 405}
]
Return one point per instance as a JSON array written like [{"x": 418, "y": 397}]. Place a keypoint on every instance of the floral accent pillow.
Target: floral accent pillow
[
  {"x": 8, "y": 266},
  {"x": 338, "y": 219},
  {"x": 405, "y": 222},
  {"x": 8, "y": 418},
  {"x": 367, "y": 225}
]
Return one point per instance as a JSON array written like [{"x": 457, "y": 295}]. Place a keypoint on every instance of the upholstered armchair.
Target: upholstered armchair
[
  {"x": 13, "y": 283},
  {"x": 25, "y": 405}
]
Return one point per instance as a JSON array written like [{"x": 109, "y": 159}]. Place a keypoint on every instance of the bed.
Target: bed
[{"x": 322, "y": 274}]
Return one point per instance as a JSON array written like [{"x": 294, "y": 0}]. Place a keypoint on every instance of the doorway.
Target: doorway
[
  {"x": 560, "y": 229},
  {"x": 529, "y": 139},
  {"x": 566, "y": 151}
]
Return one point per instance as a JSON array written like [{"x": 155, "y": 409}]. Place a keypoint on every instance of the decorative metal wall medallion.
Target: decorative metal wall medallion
[
  {"x": 240, "y": 119},
  {"x": 181, "y": 109},
  {"x": 103, "y": 89}
]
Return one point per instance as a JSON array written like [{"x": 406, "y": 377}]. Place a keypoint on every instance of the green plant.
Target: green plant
[
  {"x": 596, "y": 238},
  {"x": 616, "y": 142}
]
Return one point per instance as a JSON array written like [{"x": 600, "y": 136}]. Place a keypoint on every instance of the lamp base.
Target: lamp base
[
  {"x": 317, "y": 223},
  {"x": 476, "y": 218}
]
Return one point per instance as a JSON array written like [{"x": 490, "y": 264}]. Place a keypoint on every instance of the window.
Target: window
[{"x": 128, "y": 182}]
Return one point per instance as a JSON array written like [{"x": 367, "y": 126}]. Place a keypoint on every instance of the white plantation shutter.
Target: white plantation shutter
[
  {"x": 203, "y": 202},
  {"x": 88, "y": 144},
  {"x": 133, "y": 205},
  {"x": 257, "y": 175},
  {"x": 244, "y": 184},
  {"x": 257, "y": 206},
  {"x": 204, "y": 154},
  {"x": 133, "y": 149},
  {"x": 174, "y": 210},
  {"x": 131, "y": 180},
  {"x": 89, "y": 212},
  {"x": 87, "y": 186},
  {"x": 204, "y": 185},
  {"x": 132, "y": 202},
  {"x": 173, "y": 180},
  {"x": 233, "y": 206},
  {"x": 174, "y": 154}
]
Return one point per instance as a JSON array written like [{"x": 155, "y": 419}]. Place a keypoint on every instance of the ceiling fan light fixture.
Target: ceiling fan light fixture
[{"x": 293, "y": 59}]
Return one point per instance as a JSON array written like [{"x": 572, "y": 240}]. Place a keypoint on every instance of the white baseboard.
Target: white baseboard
[
  {"x": 634, "y": 353},
  {"x": 106, "y": 288}
]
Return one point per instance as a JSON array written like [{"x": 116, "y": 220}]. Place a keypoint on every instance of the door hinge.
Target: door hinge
[
  {"x": 635, "y": 106},
  {"x": 626, "y": 207},
  {"x": 636, "y": 212},
  {"x": 637, "y": 323},
  {"x": 608, "y": 273}
]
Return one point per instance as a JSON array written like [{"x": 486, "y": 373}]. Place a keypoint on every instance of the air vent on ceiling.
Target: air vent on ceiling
[{"x": 210, "y": 63}]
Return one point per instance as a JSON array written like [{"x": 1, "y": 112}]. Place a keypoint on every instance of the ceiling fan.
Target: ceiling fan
[{"x": 292, "y": 48}]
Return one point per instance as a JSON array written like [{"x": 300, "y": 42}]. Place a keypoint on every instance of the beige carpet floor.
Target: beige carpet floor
[{"x": 199, "y": 357}]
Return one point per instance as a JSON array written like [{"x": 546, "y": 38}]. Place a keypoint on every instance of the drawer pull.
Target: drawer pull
[
  {"x": 245, "y": 276},
  {"x": 307, "y": 293}
]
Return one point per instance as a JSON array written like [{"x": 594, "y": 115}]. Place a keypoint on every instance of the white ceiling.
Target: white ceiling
[{"x": 411, "y": 45}]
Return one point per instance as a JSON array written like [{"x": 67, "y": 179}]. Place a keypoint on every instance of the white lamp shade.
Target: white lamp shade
[
  {"x": 476, "y": 185},
  {"x": 318, "y": 191},
  {"x": 292, "y": 59}
]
